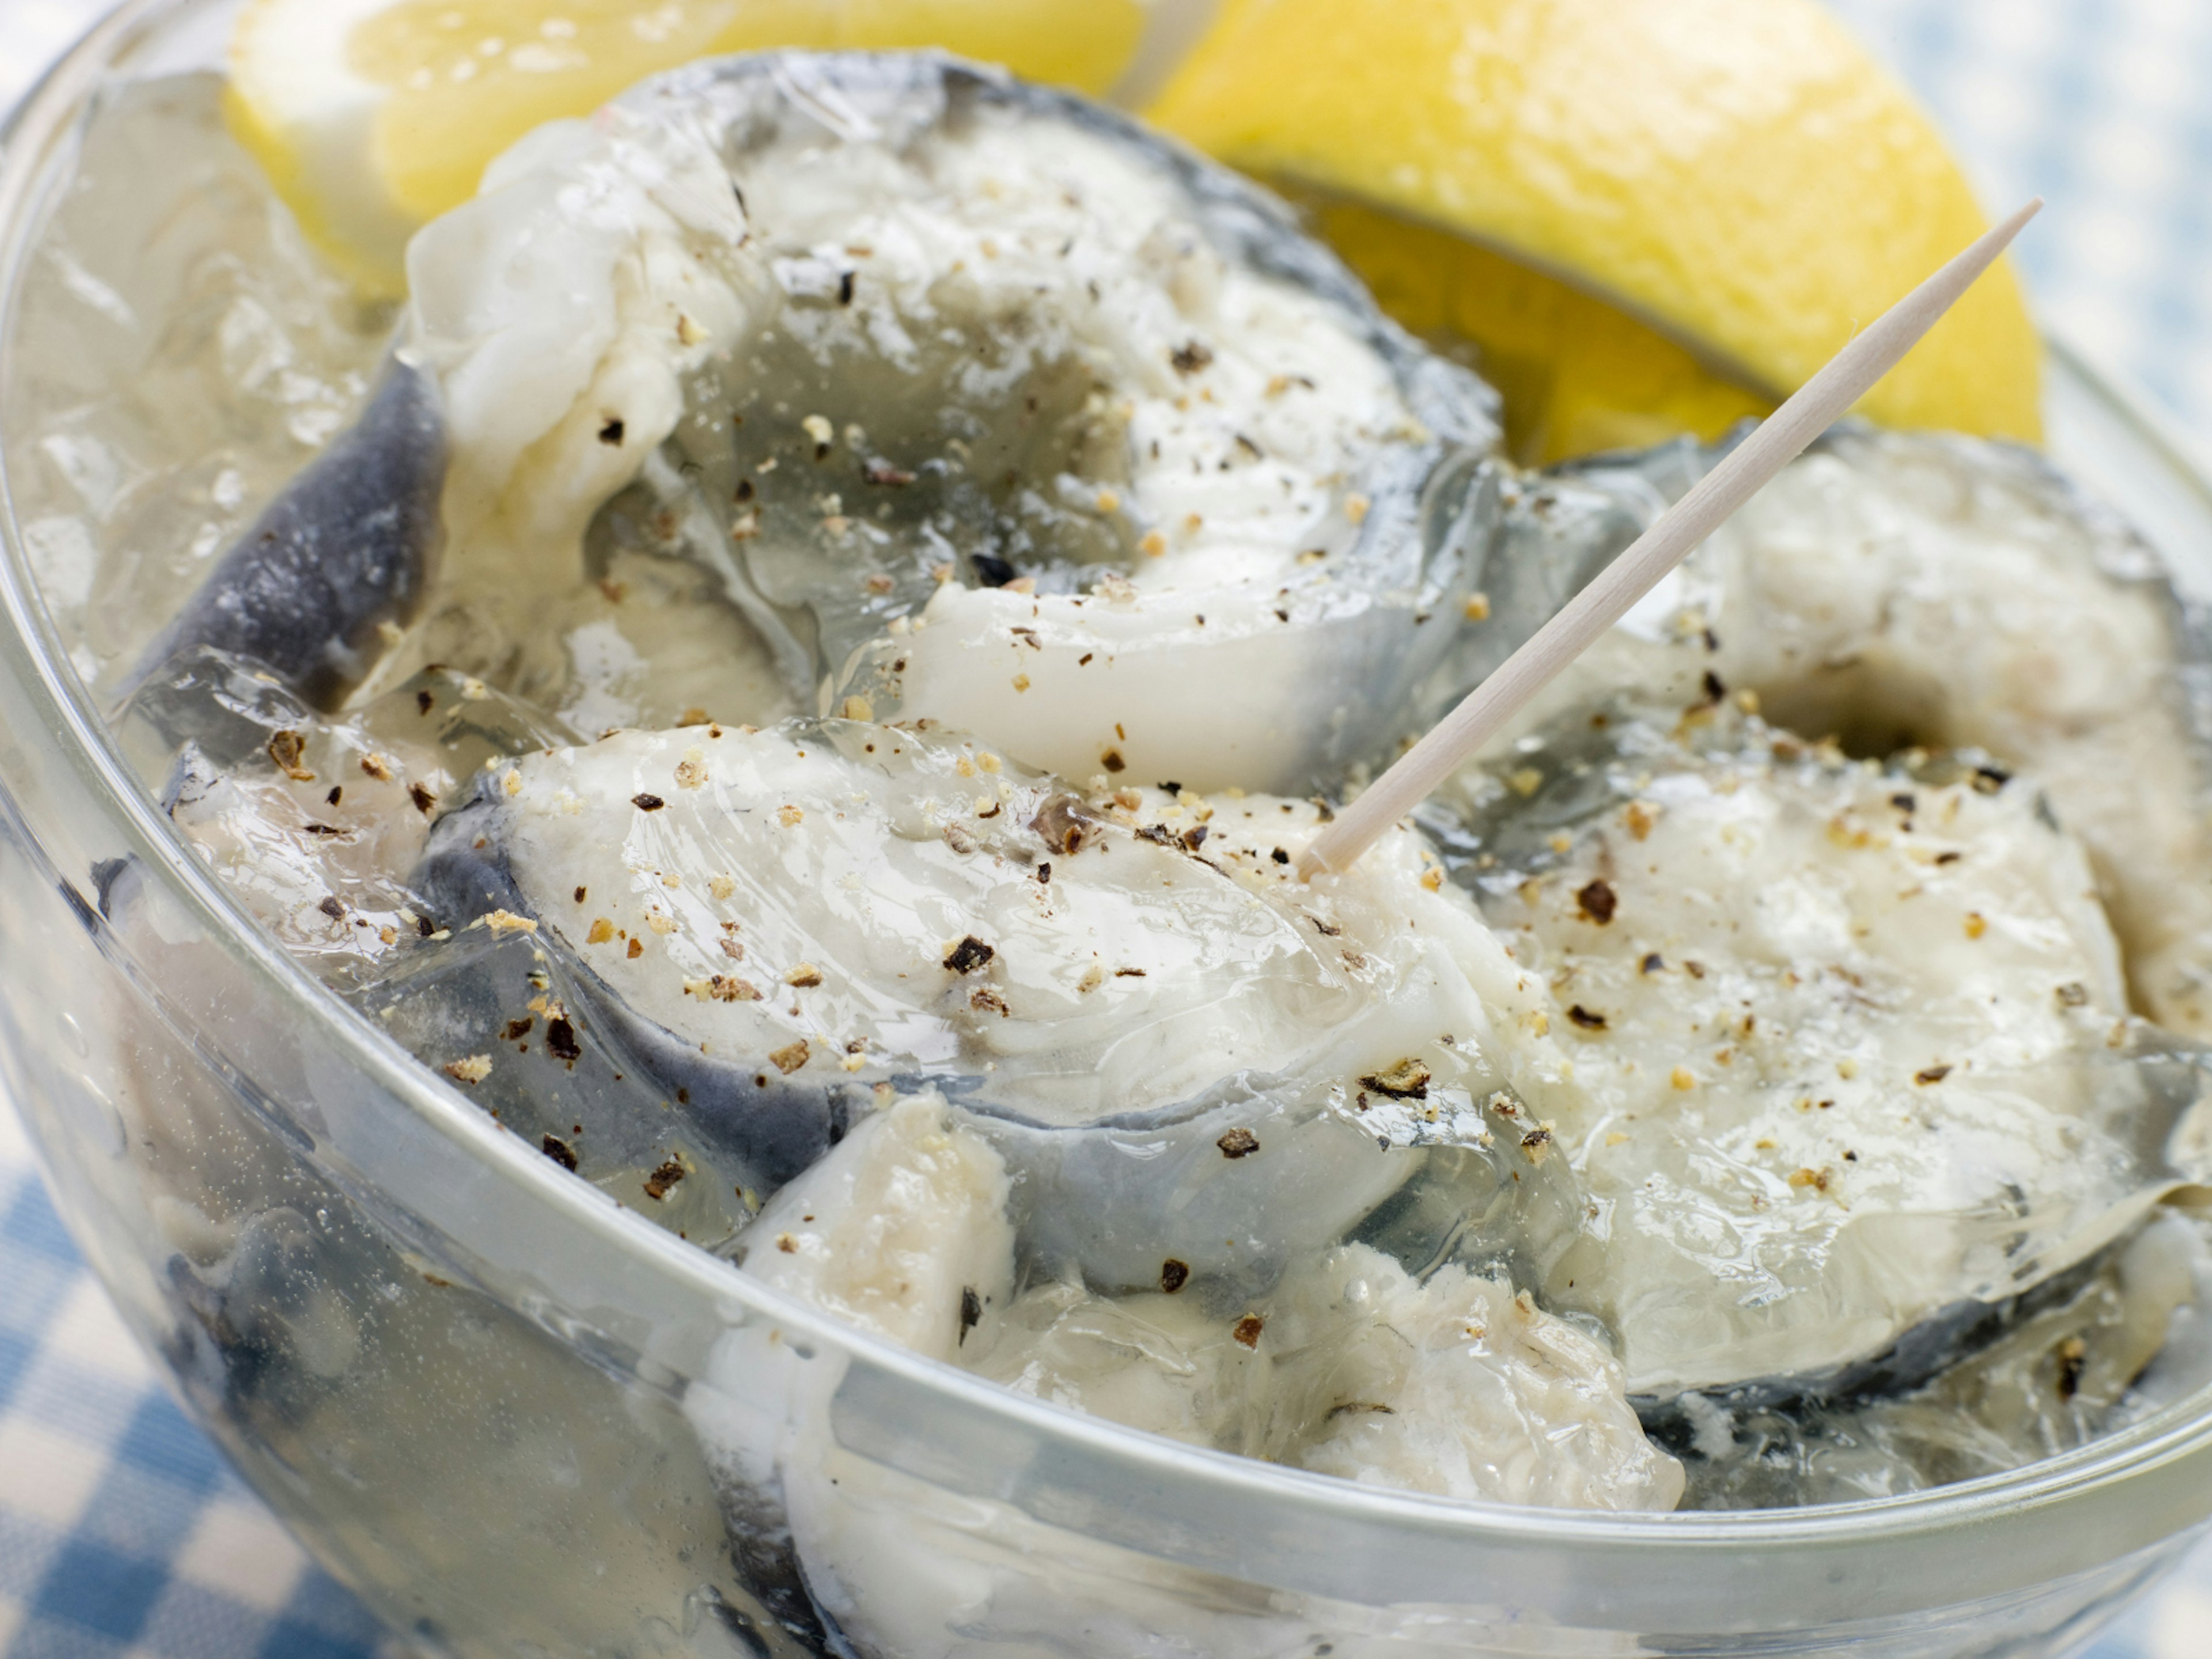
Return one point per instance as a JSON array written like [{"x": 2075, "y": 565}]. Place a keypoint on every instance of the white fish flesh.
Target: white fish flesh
[
  {"x": 902, "y": 1231},
  {"x": 1923, "y": 590},
  {"x": 1851, "y": 1058},
  {"x": 1458, "y": 1385},
  {"x": 892, "y": 340},
  {"x": 2054, "y": 1379},
  {"x": 1188, "y": 1052}
]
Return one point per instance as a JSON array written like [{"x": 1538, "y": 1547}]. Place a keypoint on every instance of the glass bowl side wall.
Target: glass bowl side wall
[{"x": 464, "y": 1378}]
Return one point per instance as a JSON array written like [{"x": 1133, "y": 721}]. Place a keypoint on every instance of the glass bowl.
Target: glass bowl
[{"x": 519, "y": 1419}]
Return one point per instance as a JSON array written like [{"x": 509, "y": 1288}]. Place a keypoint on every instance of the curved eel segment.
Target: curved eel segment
[
  {"x": 741, "y": 1105},
  {"x": 958, "y": 385},
  {"x": 1927, "y": 591},
  {"x": 1185, "y": 1052},
  {"x": 1912, "y": 1095},
  {"x": 344, "y": 553}
]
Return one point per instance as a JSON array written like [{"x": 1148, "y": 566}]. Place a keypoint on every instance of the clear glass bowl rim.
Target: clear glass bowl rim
[{"x": 2177, "y": 1441}]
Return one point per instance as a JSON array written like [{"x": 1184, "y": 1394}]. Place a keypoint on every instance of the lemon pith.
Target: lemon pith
[{"x": 1738, "y": 172}]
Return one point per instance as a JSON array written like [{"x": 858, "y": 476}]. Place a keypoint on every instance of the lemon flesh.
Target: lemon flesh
[
  {"x": 1737, "y": 175},
  {"x": 373, "y": 118},
  {"x": 1577, "y": 376}
]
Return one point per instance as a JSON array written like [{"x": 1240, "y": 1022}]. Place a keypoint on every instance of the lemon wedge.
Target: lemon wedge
[
  {"x": 1642, "y": 217},
  {"x": 1578, "y": 377},
  {"x": 373, "y": 117},
  {"x": 1647, "y": 217}
]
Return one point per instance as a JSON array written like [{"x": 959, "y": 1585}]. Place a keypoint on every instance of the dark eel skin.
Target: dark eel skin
[
  {"x": 741, "y": 1105},
  {"x": 347, "y": 547}
]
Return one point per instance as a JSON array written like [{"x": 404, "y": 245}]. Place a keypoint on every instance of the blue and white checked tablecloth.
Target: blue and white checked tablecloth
[{"x": 122, "y": 1533}]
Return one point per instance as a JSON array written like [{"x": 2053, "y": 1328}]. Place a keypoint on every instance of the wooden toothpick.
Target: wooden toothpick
[{"x": 1779, "y": 440}]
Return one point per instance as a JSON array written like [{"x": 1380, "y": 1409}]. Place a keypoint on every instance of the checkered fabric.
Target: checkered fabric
[
  {"x": 122, "y": 1532},
  {"x": 2100, "y": 107}
]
